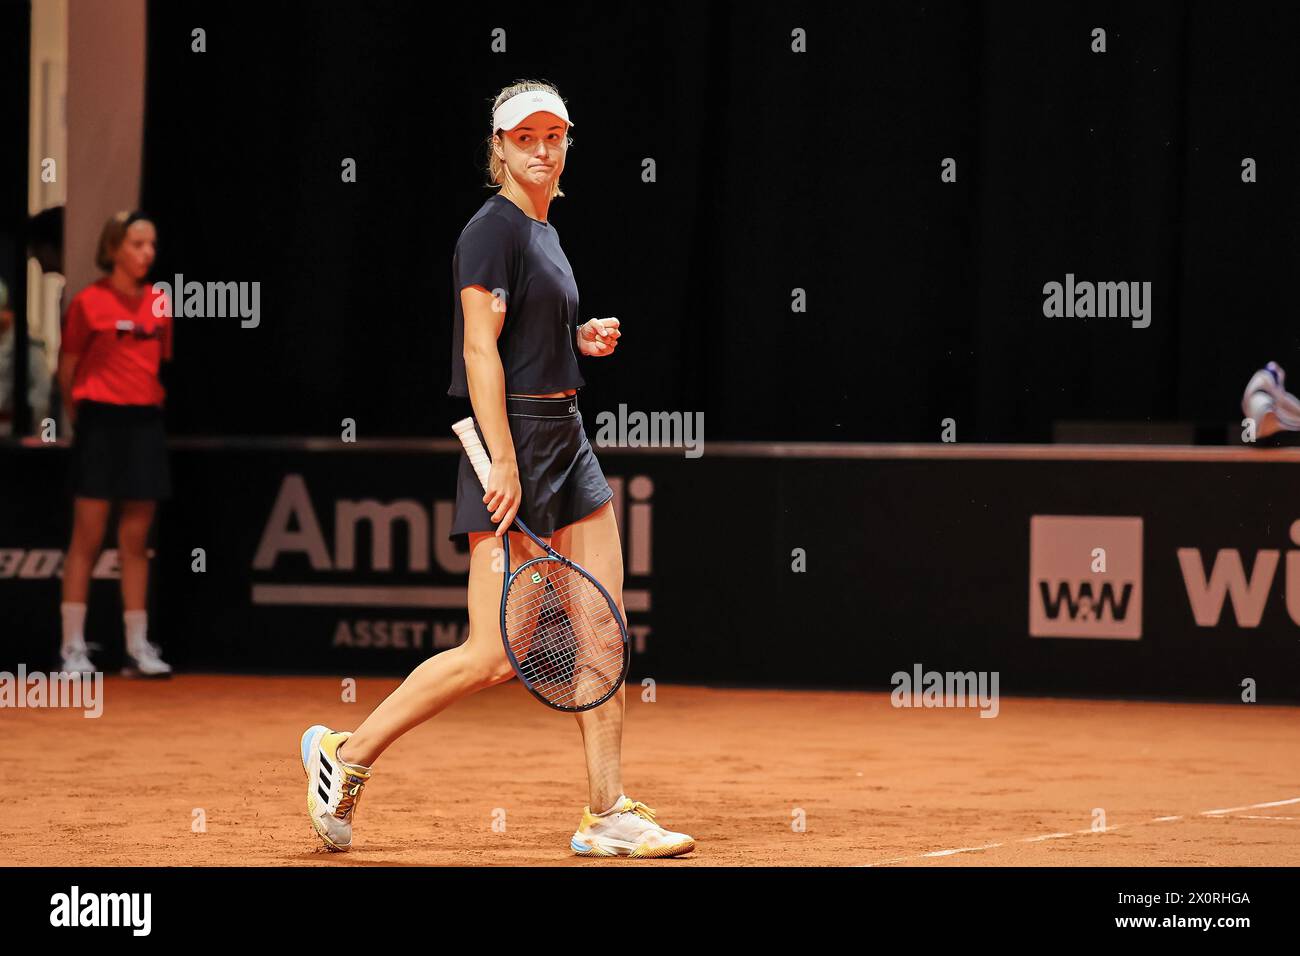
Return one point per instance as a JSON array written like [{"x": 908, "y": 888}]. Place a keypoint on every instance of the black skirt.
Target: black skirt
[
  {"x": 559, "y": 476},
  {"x": 119, "y": 452}
]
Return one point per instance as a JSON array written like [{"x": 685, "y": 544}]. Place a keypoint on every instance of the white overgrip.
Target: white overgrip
[{"x": 474, "y": 449}]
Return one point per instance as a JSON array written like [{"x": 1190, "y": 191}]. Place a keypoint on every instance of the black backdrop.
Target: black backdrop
[{"x": 776, "y": 170}]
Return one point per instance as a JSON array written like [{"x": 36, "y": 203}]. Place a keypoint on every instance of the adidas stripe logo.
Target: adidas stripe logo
[{"x": 326, "y": 774}]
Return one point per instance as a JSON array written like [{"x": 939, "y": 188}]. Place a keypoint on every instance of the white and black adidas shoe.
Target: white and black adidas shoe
[{"x": 333, "y": 787}]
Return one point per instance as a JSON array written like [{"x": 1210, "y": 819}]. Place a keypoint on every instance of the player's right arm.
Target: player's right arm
[{"x": 485, "y": 316}]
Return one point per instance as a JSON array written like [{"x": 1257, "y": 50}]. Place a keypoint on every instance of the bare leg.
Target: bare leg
[
  {"x": 447, "y": 677},
  {"x": 89, "y": 519},
  {"x": 594, "y": 543},
  {"x": 133, "y": 547}
]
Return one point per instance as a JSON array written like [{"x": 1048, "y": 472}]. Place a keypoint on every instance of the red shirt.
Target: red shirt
[{"x": 121, "y": 343}]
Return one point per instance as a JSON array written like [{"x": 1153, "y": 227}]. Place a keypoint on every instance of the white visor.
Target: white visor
[{"x": 522, "y": 105}]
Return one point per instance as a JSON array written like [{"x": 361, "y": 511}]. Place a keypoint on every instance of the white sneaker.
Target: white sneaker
[
  {"x": 629, "y": 831},
  {"x": 76, "y": 659},
  {"x": 333, "y": 787},
  {"x": 146, "y": 662},
  {"x": 1267, "y": 401}
]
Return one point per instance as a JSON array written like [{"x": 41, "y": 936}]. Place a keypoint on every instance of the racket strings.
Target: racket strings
[
  {"x": 575, "y": 593},
  {"x": 561, "y": 621},
  {"x": 560, "y": 628},
  {"x": 557, "y": 636}
]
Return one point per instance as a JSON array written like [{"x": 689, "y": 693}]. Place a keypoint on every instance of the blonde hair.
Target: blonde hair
[
  {"x": 111, "y": 236},
  {"x": 496, "y": 167}
]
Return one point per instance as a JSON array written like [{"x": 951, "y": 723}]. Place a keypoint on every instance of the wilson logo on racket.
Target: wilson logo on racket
[{"x": 537, "y": 577}]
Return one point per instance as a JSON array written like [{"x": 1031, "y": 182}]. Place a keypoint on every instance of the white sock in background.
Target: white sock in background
[
  {"x": 137, "y": 625},
  {"x": 74, "y": 624}
]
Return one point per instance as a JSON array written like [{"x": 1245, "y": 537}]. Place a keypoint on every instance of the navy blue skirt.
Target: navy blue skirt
[
  {"x": 559, "y": 476},
  {"x": 119, "y": 453}
]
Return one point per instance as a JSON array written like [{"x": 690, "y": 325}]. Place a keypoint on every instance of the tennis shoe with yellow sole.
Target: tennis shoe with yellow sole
[
  {"x": 333, "y": 787},
  {"x": 628, "y": 829}
]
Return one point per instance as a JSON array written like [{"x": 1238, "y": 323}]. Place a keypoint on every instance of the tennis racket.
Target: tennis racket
[{"x": 561, "y": 629}]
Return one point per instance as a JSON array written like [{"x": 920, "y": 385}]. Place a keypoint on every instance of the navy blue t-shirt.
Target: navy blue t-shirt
[{"x": 519, "y": 260}]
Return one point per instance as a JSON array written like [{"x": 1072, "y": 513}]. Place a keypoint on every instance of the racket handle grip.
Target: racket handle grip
[{"x": 478, "y": 456}]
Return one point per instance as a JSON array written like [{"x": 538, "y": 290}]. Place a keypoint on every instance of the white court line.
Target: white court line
[
  {"x": 1253, "y": 806},
  {"x": 1248, "y": 816},
  {"x": 1058, "y": 836},
  {"x": 964, "y": 849}
]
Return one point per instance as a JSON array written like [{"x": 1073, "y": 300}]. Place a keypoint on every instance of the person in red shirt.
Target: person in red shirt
[{"x": 116, "y": 333}]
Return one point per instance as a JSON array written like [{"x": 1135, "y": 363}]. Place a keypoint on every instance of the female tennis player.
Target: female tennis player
[
  {"x": 113, "y": 342},
  {"x": 514, "y": 355}
]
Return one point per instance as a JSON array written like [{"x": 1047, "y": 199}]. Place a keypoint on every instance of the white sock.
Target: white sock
[
  {"x": 137, "y": 626},
  {"x": 74, "y": 623}
]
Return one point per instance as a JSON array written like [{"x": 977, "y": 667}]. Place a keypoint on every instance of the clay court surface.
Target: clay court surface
[{"x": 877, "y": 785}]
